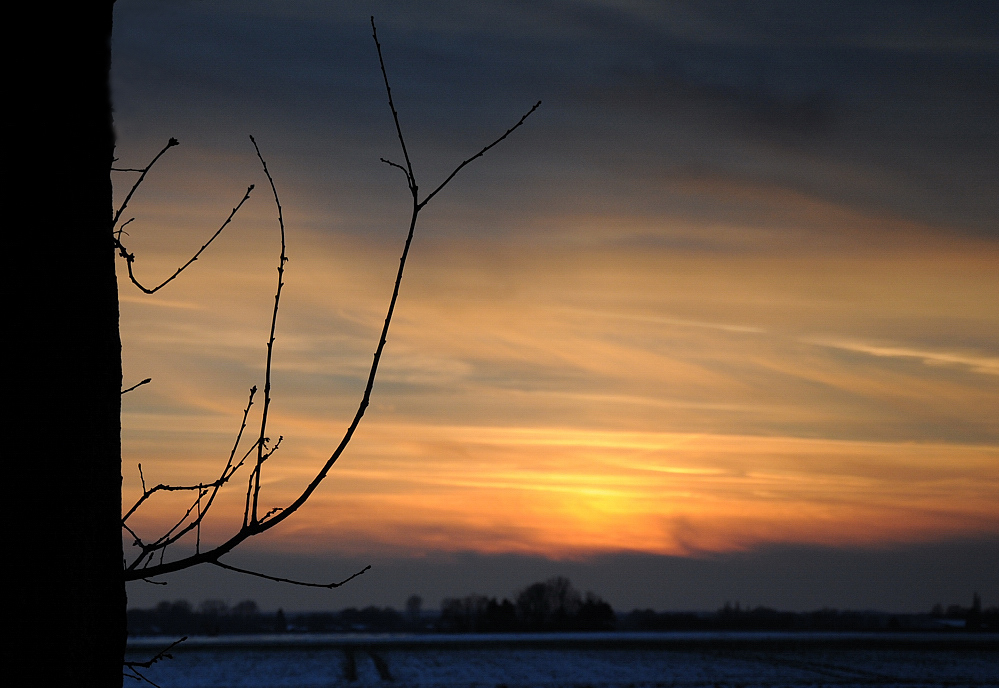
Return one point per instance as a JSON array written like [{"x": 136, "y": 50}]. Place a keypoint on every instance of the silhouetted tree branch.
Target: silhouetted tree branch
[
  {"x": 142, "y": 566},
  {"x": 133, "y": 667},
  {"x": 138, "y": 182},
  {"x": 261, "y": 457},
  {"x": 278, "y": 579},
  {"x": 137, "y": 384},
  {"x": 118, "y": 231},
  {"x": 130, "y": 257},
  {"x": 227, "y": 472}
]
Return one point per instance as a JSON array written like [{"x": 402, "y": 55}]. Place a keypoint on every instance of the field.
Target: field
[{"x": 582, "y": 661}]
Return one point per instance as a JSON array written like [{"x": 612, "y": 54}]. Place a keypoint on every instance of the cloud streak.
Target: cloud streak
[{"x": 978, "y": 364}]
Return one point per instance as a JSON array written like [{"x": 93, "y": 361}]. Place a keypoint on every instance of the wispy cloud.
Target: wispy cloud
[
  {"x": 669, "y": 321},
  {"x": 987, "y": 365}
]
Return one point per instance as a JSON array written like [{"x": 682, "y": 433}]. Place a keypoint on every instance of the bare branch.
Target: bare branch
[
  {"x": 177, "y": 531},
  {"x": 137, "y": 676},
  {"x": 249, "y": 498},
  {"x": 138, "y": 384},
  {"x": 270, "y": 340},
  {"x": 130, "y": 257},
  {"x": 197, "y": 541},
  {"x": 328, "y": 586},
  {"x": 252, "y": 525},
  {"x": 161, "y": 655},
  {"x": 479, "y": 154},
  {"x": 170, "y": 537},
  {"x": 138, "y": 182},
  {"x": 410, "y": 177},
  {"x": 137, "y": 539},
  {"x": 395, "y": 164},
  {"x": 227, "y": 471}
]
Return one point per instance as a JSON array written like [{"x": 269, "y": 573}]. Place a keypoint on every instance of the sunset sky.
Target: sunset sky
[{"x": 721, "y": 320}]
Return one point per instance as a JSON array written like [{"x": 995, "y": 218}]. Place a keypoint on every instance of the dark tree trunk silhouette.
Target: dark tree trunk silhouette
[
  {"x": 75, "y": 456},
  {"x": 77, "y": 448}
]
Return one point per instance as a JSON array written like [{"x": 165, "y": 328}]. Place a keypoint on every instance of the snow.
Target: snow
[{"x": 557, "y": 662}]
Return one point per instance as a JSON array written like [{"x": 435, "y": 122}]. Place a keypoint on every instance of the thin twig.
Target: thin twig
[
  {"x": 130, "y": 257},
  {"x": 121, "y": 229},
  {"x": 395, "y": 115},
  {"x": 138, "y": 182},
  {"x": 174, "y": 535},
  {"x": 479, "y": 154},
  {"x": 137, "y": 384},
  {"x": 137, "y": 676},
  {"x": 137, "y": 540},
  {"x": 395, "y": 164},
  {"x": 160, "y": 656},
  {"x": 270, "y": 340},
  {"x": 170, "y": 537},
  {"x": 227, "y": 471},
  {"x": 197, "y": 541},
  {"x": 277, "y": 579}
]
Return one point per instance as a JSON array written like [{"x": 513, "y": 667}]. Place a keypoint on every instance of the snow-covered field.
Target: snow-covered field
[{"x": 525, "y": 664}]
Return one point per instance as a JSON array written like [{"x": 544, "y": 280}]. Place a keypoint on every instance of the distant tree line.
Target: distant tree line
[
  {"x": 211, "y": 617},
  {"x": 214, "y": 617},
  {"x": 552, "y": 605},
  {"x": 733, "y": 617}
]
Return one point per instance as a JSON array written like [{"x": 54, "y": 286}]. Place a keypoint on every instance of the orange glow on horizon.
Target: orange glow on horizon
[{"x": 570, "y": 493}]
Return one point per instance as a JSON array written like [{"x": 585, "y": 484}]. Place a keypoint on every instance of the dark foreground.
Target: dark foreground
[{"x": 744, "y": 660}]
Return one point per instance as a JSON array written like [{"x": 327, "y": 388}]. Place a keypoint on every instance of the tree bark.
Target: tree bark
[{"x": 81, "y": 376}]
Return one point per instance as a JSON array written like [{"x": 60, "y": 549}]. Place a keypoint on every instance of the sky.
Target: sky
[{"x": 719, "y": 322}]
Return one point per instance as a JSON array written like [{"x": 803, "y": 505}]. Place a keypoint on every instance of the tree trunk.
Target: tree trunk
[{"x": 81, "y": 377}]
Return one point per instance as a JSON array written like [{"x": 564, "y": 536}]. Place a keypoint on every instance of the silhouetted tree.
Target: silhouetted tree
[{"x": 548, "y": 605}]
